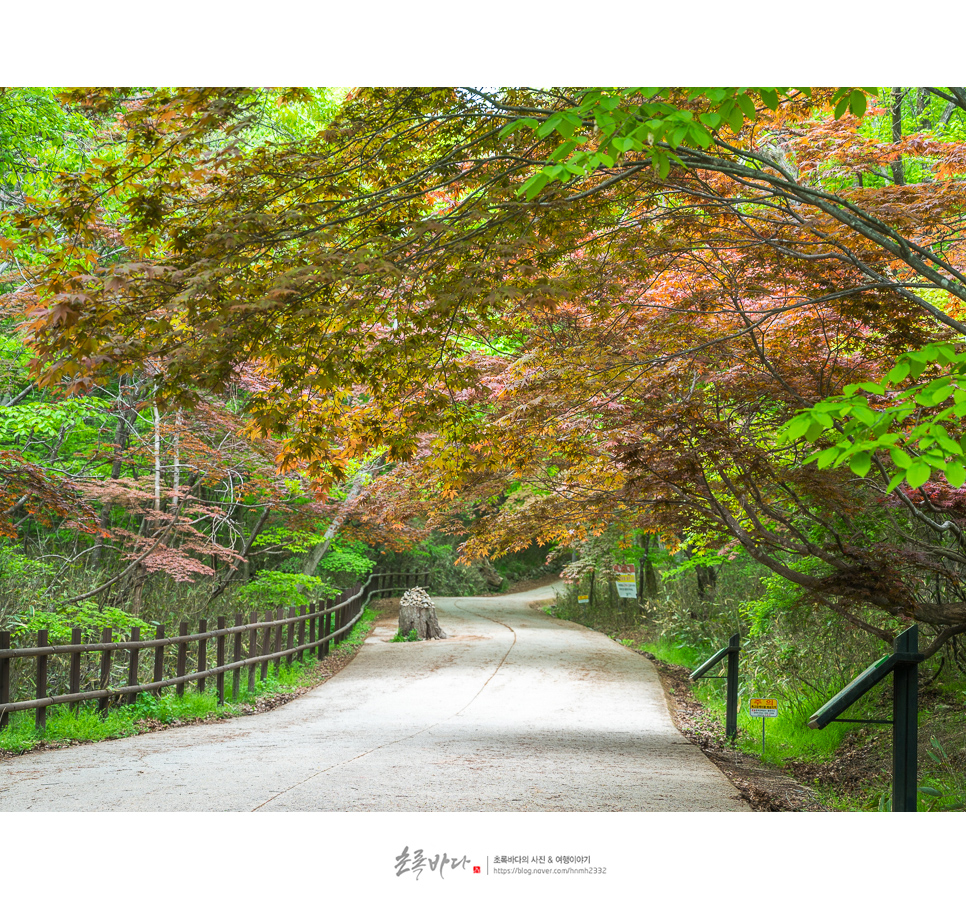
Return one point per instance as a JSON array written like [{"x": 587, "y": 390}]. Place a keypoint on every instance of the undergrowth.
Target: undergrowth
[{"x": 787, "y": 736}]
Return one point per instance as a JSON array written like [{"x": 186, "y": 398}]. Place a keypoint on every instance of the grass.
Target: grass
[
  {"x": 87, "y": 724},
  {"x": 412, "y": 636},
  {"x": 787, "y": 736}
]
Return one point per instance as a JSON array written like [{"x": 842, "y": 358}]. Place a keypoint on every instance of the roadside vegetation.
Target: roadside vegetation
[
  {"x": 849, "y": 765},
  {"x": 150, "y": 712}
]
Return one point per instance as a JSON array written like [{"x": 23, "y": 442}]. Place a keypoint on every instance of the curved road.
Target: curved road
[{"x": 514, "y": 711}]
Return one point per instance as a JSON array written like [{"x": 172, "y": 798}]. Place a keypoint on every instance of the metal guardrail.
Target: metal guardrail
[
  {"x": 731, "y": 651},
  {"x": 326, "y": 622},
  {"x": 903, "y": 664}
]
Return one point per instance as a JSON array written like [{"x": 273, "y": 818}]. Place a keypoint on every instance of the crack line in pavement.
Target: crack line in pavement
[
  {"x": 379, "y": 747},
  {"x": 497, "y": 668}
]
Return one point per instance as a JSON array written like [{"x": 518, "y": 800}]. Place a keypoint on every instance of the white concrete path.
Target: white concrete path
[{"x": 515, "y": 711}]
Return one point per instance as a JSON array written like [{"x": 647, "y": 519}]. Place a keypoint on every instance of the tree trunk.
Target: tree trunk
[
  {"x": 157, "y": 457},
  {"x": 648, "y": 574},
  {"x": 234, "y": 566},
  {"x": 490, "y": 575},
  {"x": 359, "y": 482},
  {"x": 422, "y": 619},
  {"x": 898, "y": 173},
  {"x": 417, "y": 611},
  {"x": 125, "y": 420}
]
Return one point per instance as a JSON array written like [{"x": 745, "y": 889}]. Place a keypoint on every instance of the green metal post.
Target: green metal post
[
  {"x": 731, "y": 690},
  {"x": 905, "y": 722}
]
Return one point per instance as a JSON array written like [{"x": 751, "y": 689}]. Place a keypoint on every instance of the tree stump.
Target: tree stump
[
  {"x": 490, "y": 575},
  {"x": 417, "y": 611}
]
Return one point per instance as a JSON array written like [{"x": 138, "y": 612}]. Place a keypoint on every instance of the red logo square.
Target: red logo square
[{"x": 476, "y": 870}]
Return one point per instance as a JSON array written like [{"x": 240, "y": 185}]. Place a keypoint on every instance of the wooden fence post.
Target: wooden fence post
[
  {"x": 76, "y": 638},
  {"x": 107, "y": 636},
  {"x": 337, "y": 625},
  {"x": 252, "y": 651},
  {"x": 266, "y": 641},
  {"x": 132, "y": 670},
  {"x": 279, "y": 614},
  {"x": 326, "y": 629},
  {"x": 42, "y": 681},
  {"x": 236, "y": 657},
  {"x": 303, "y": 612},
  {"x": 182, "y": 655},
  {"x": 4, "y": 680},
  {"x": 159, "y": 659},
  {"x": 202, "y": 654},
  {"x": 291, "y": 636},
  {"x": 220, "y": 662}
]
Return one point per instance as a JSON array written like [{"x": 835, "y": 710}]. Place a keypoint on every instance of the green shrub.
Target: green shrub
[
  {"x": 283, "y": 589},
  {"x": 84, "y": 614}
]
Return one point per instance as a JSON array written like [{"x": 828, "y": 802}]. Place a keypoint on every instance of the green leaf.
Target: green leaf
[
  {"x": 562, "y": 151},
  {"x": 532, "y": 187},
  {"x": 770, "y": 98},
  {"x": 860, "y": 464},
  {"x": 509, "y": 129},
  {"x": 841, "y": 106},
  {"x": 895, "y": 481},
  {"x": 933, "y": 396},
  {"x": 900, "y": 458},
  {"x": 955, "y": 474},
  {"x": 549, "y": 126},
  {"x": 700, "y": 137},
  {"x": 917, "y": 474},
  {"x": 898, "y": 373},
  {"x": 796, "y": 428},
  {"x": 948, "y": 444},
  {"x": 735, "y": 119},
  {"x": 824, "y": 458},
  {"x": 678, "y": 135},
  {"x": 857, "y": 102},
  {"x": 747, "y": 105}
]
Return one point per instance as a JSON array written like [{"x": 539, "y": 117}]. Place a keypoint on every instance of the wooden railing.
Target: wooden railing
[{"x": 287, "y": 634}]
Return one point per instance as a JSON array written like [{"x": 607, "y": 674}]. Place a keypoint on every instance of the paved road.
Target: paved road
[{"x": 515, "y": 711}]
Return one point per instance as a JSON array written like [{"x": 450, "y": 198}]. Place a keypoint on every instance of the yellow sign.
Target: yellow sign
[
  {"x": 763, "y": 708},
  {"x": 582, "y": 598}
]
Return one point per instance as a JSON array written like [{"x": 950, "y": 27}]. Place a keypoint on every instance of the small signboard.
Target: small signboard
[
  {"x": 763, "y": 709},
  {"x": 583, "y": 598},
  {"x": 626, "y": 580}
]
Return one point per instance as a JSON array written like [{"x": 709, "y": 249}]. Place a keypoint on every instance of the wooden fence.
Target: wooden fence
[{"x": 287, "y": 634}]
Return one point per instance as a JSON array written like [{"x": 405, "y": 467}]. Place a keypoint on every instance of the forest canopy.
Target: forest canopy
[{"x": 727, "y": 318}]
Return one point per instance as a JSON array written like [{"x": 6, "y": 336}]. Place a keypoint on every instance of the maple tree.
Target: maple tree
[
  {"x": 619, "y": 343},
  {"x": 129, "y": 493}
]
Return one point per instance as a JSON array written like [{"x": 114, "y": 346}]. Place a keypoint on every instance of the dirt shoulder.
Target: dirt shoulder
[{"x": 762, "y": 786}]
